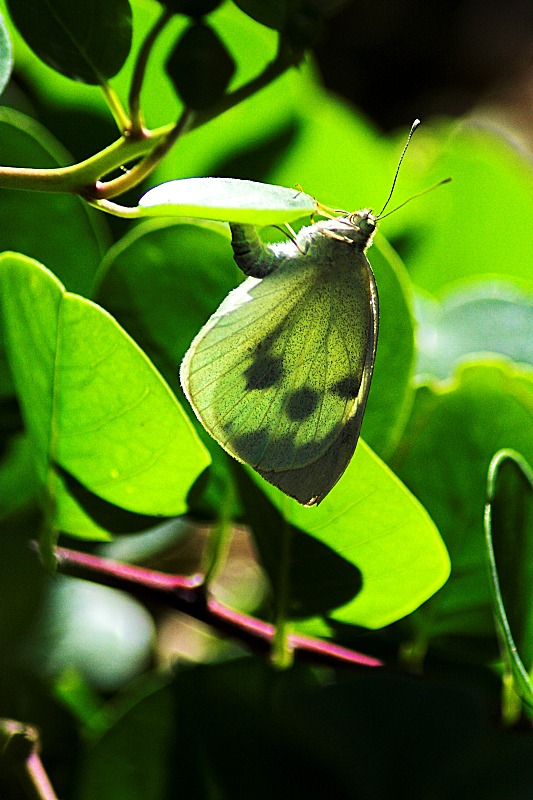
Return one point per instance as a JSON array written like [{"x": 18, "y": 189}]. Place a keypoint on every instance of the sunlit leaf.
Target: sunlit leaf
[
  {"x": 95, "y": 407},
  {"x": 373, "y": 522}
]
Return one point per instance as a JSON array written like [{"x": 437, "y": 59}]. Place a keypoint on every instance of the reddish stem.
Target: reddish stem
[{"x": 188, "y": 594}]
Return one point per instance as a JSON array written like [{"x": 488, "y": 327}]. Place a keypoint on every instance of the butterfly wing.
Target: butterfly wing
[{"x": 280, "y": 374}]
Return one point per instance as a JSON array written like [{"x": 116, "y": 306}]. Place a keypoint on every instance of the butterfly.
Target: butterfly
[{"x": 281, "y": 372}]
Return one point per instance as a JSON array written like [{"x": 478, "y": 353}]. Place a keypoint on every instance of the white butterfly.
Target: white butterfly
[{"x": 280, "y": 374}]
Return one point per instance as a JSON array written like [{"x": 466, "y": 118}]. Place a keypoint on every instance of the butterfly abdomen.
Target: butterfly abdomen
[{"x": 249, "y": 252}]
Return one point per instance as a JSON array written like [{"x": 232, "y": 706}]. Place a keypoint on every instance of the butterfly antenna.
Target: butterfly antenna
[
  {"x": 418, "y": 194},
  {"x": 414, "y": 126}
]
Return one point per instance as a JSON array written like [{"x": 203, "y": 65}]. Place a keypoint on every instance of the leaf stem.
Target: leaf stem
[
  {"x": 281, "y": 652},
  {"x": 115, "y": 106},
  {"x": 118, "y": 210},
  {"x": 218, "y": 543},
  {"x": 139, "y": 72}
]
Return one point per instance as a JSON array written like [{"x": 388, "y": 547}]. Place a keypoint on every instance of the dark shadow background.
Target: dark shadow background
[{"x": 401, "y": 59}]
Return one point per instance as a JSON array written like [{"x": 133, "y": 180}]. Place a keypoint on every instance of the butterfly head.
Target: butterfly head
[
  {"x": 364, "y": 222},
  {"x": 357, "y": 228}
]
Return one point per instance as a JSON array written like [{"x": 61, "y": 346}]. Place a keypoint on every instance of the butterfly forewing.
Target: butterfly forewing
[{"x": 280, "y": 373}]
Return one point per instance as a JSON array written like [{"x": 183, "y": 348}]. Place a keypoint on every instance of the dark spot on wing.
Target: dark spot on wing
[
  {"x": 251, "y": 445},
  {"x": 302, "y": 403},
  {"x": 347, "y": 388},
  {"x": 265, "y": 371}
]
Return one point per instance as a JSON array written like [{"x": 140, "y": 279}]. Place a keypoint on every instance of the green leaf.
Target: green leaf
[
  {"x": 227, "y": 199},
  {"x": 129, "y": 761},
  {"x": 6, "y": 55},
  {"x": 444, "y": 456},
  {"x": 60, "y": 100},
  {"x": 93, "y": 403},
  {"x": 87, "y": 41},
  {"x": 261, "y": 117},
  {"x": 509, "y": 537},
  {"x": 161, "y": 282},
  {"x": 371, "y": 521},
  {"x": 477, "y": 316}
]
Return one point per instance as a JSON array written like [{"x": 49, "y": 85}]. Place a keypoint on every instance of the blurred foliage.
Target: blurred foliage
[{"x": 453, "y": 386}]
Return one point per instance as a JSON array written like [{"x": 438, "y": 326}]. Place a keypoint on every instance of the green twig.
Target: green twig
[
  {"x": 139, "y": 172},
  {"x": 139, "y": 72},
  {"x": 282, "y": 655},
  {"x": 78, "y": 178},
  {"x": 115, "y": 106}
]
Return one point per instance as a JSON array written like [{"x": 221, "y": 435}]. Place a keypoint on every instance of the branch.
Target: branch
[
  {"x": 20, "y": 746},
  {"x": 189, "y": 595},
  {"x": 140, "y": 70},
  {"x": 80, "y": 178}
]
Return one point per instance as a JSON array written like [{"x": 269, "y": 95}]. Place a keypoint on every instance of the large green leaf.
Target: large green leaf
[
  {"x": 509, "y": 540},
  {"x": 445, "y": 453},
  {"x": 371, "y": 521},
  {"x": 87, "y": 41},
  {"x": 95, "y": 407}
]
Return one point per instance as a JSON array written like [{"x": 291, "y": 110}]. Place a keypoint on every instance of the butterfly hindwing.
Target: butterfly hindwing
[{"x": 280, "y": 373}]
